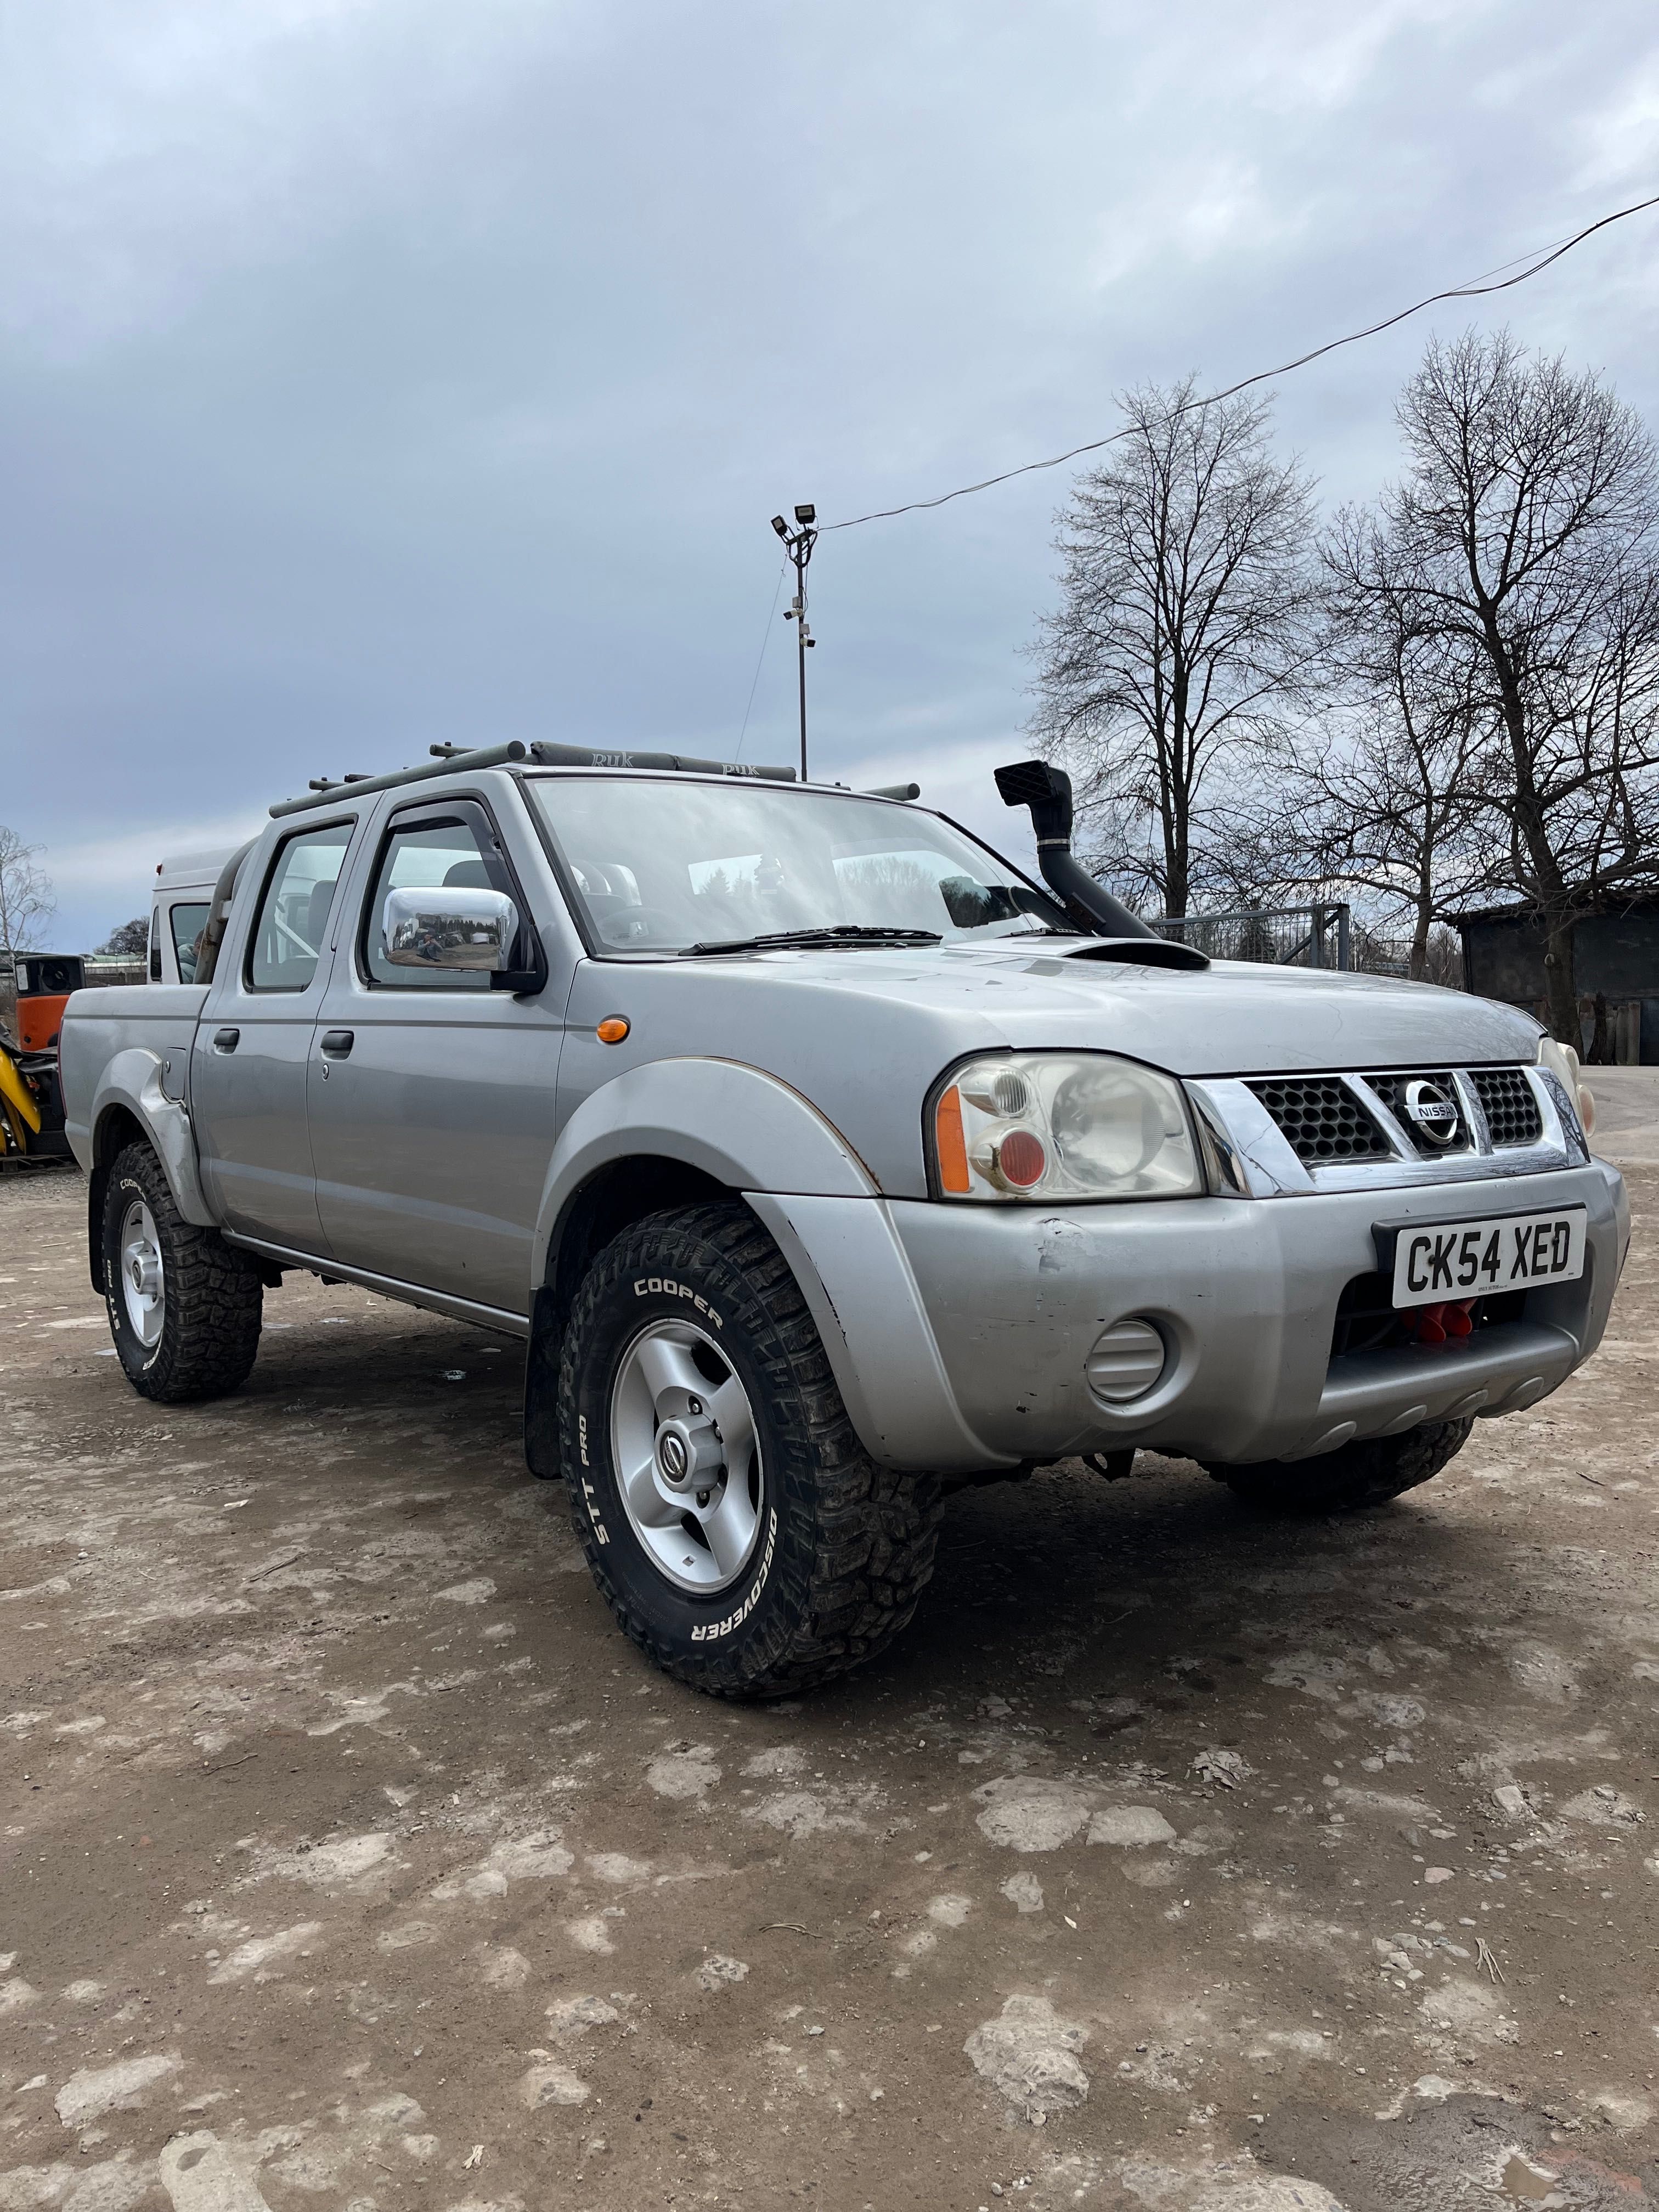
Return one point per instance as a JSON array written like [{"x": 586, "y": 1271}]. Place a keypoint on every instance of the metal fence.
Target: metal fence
[{"x": 1279, "y": 936}]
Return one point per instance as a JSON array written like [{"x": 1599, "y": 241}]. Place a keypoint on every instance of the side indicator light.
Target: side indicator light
[
  {"x": 950, "y": 1145},
  {"x": 613, "y": 1029}
]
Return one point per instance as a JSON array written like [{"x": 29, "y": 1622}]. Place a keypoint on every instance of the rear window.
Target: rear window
[{"x": 291, "y": 927}]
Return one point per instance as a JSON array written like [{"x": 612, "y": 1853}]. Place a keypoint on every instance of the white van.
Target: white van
[{"x": 179, "y": 913}]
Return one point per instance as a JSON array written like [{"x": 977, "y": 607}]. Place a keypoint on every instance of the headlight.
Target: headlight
[
  {"x": 1050, "y": 1125},
  {"x": 1562, "y": 1062}
]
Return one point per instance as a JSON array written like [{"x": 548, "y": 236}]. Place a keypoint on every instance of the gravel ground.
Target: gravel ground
[{"x": 349, "y": 1857}]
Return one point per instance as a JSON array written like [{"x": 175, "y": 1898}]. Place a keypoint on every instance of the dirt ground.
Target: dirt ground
[{"x": 349, "y": 1857}]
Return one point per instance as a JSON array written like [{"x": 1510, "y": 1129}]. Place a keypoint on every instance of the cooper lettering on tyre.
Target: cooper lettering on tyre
[
  {"x": 184, "y": 1306},
  {"x": 733, "y": 1521}
]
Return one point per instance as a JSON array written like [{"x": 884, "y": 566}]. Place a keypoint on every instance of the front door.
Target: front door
[
  {"x": 253, "y": 1046},
  {"x": 431, "y": 1095}
]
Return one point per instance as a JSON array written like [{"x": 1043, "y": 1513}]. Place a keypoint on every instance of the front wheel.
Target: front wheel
[
  {"x": 737, "y": 1527},
  {"x": 1367, "y": 1473},
  {"x": 183, "y": 1305}
]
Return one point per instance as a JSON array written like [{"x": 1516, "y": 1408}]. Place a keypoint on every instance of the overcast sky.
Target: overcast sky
[{"x": 373, "y": 372}]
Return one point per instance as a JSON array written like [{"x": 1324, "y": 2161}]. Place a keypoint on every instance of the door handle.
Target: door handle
[
  {"x": 338, "y": 1043},
  {"x": 226, "y": 1040}
]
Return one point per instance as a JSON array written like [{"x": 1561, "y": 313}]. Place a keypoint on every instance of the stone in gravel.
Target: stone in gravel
[
  {"x": 1470, "y": 2009},
  {"x": 551, "y": 2084},
  {"x": 97, "y": 2090},
  {"x": 684, "y": 1770},
  {"x": 576, "y": 2015},
  {"x": 347, "y": 1860},
  {"x": 591, "y": 1935},
  {"x": 717, "y": 1971},
  {"x": 617, "y": 1866},
  {"x": 1030, "y": 2056},
  {"x": 502, "y": 1967},
  {"x": 1023, "y": 1891},
  {"x": 116, "y": 2185},
  {"x": 1226, "y": 1768},
  {"x": 1604, "y": 1806},
  {"x": 783, "y": 1760},
  {"x": 1025, "y": 1814},
  {"x": 201, "y": 2175},
  {"x": 262, "y": 1952},
  {"x": 405, "y": 1935},
  {"x": 801, "y": 1812},
  {"x": 1132, "y": 1826}
]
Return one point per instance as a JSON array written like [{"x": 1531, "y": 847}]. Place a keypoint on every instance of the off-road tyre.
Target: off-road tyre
[
  {"x": 210, "y": 1333},
  {"x": 846, "y": 1547},
  {"x": 1367, "y": 1472}
]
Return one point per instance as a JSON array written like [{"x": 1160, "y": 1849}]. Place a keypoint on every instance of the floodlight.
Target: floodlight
[
  {"x": 807, "y": 515},
  {"x": 780, "y": 526}
]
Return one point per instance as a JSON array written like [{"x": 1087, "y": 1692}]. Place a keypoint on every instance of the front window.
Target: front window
[
  {"x": 662, "y": 866},
  {"x": 454, "y": 851}
]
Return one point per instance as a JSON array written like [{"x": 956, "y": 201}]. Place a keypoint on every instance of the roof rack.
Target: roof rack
[
  {"x": 325, "y": 790},
  {"x": 549, "y": 755}
]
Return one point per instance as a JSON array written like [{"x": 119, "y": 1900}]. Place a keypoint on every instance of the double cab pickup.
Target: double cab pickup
[{"x": 824, "y": 1160}]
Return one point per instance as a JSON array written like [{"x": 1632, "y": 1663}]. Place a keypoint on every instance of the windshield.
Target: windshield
[{"x": 662, "y": 866}]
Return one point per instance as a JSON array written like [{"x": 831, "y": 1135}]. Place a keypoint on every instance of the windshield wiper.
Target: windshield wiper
[{"x": 844, "y": 932}]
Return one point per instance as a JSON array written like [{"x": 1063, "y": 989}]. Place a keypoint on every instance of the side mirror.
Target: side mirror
[{"x": 470, "y": 932}]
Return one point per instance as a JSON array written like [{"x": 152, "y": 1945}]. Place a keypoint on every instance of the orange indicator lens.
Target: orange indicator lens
[
  {"x": 951, "y": 1144},
  {"x": 612, "y": 1030}
]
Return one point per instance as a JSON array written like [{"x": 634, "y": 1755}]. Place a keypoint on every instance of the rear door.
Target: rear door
[
  {"x": 253, "y": 1043},
  {"x": 431, "y": 1095}
]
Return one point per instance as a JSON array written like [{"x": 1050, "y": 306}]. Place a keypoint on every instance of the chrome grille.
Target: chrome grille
[
  {"x": 1322, "y": 1120},
  {"x": 1391, "y": 1089},
  {"x": 1511, "y": 1110}
]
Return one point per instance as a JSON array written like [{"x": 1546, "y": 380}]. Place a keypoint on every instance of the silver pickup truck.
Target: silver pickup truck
[{"x": 825, "y": 1160}]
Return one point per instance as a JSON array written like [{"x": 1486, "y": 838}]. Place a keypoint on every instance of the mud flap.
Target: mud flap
[{"x": 541, "y": 1391}]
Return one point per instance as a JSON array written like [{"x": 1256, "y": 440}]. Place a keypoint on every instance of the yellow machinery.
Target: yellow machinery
[{"x": 19, "y": 1109}]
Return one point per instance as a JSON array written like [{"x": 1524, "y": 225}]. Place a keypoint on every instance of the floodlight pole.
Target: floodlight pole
[{"x": 798, "y": 544}]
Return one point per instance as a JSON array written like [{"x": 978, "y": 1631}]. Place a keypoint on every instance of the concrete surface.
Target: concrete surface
[
  {"x": 349, "y": 1859},
  {"x": 1627, "y": 1113}
]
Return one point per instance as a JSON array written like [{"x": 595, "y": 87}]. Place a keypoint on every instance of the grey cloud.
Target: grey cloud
[{"x": 373, "y": 371}]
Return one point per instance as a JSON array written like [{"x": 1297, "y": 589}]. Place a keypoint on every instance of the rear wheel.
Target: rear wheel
[
  {"x": 183, "y": 1305},
  {"x": 737, "y": 1527},
  {"x": 1367, "y": 1473}
]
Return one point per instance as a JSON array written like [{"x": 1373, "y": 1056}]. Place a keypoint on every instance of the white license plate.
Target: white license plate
[{"x": 1454, "y": 1259}]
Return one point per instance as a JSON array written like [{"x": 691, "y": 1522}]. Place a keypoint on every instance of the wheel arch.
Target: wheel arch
[
  {"x": 616, "y": 1193},
  {"x": 691, "y": 1129},
  {"x": 116, "y": 1127},
  {"x": 131, "y": 1107}
]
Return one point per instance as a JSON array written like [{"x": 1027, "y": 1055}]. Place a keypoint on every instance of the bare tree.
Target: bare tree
[
  {"x": 1387, "y": 794},
  {"x": 1183, "y": 631},
  {"x": 1520, "y": 551},
  {"x": 127, "y": 938},
  {"x": 27, "y": 904}
]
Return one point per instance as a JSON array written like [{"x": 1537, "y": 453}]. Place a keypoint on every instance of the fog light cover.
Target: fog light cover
[{"x": 1127, "y": 1363}]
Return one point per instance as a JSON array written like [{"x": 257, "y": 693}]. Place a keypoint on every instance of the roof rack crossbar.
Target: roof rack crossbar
[
  {"x": 360, "y": 787},
  {"x": 552, "y": 756}
]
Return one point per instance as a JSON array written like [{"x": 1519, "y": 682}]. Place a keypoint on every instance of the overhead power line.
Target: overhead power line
[{"x": 1472, "y": 291}]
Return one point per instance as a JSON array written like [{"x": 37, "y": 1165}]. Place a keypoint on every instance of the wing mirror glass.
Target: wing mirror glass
[{"x": 449, "y": 927}]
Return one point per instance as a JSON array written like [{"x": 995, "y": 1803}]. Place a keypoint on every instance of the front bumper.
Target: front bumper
[{"x": 960, "y": 1335}]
